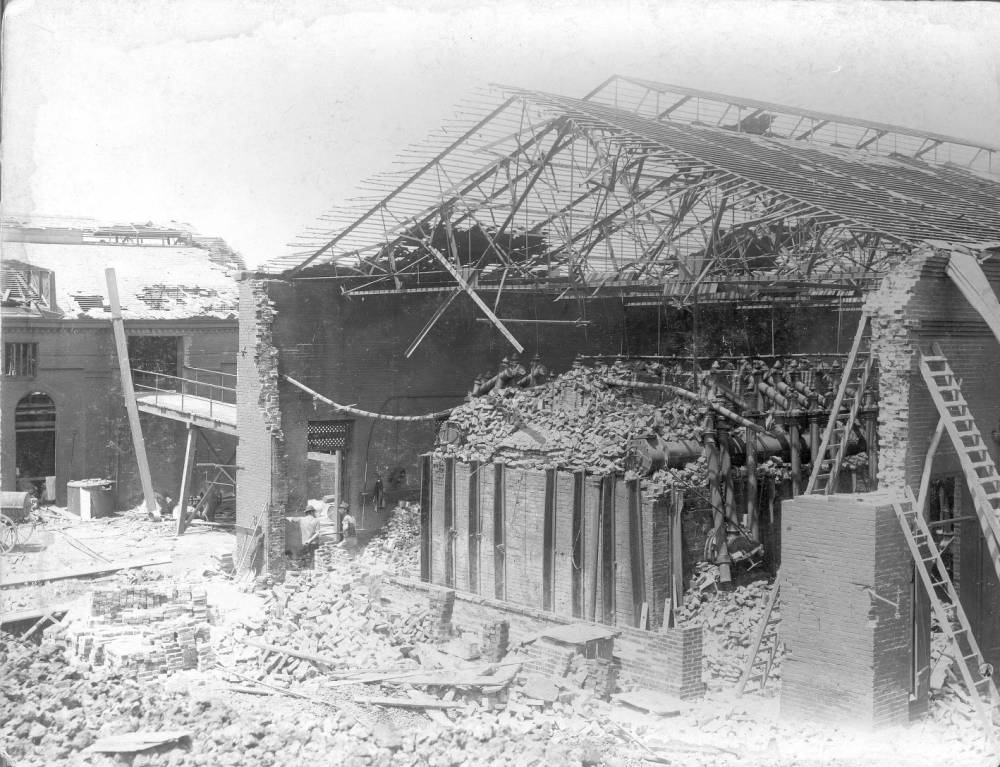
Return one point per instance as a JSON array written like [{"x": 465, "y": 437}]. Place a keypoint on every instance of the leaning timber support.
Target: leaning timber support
[
  {"x": 125, "y": 370},
  {"x": 189, "y": 450}
]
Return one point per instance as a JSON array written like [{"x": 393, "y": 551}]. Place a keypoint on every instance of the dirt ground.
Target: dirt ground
[{"x": 61, "y": 542}]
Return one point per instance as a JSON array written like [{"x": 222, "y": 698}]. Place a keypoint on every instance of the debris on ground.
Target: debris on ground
[{"x": 730, "y": 620}]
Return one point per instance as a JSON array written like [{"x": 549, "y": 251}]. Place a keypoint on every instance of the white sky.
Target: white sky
[{"x": 248, "y": 119}]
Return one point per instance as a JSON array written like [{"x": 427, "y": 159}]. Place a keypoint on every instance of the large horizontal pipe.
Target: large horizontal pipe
[
  {"x": 688, "y": 395},
  {"x": 646, "y": 455}
]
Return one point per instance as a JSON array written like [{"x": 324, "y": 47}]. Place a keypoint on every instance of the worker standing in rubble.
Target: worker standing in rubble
[
  {"x": 310, "y": 530},
  {"x": 348, "y": 527}
]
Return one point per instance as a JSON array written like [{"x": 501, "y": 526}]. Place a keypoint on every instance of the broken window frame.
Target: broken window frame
[{"x": 20, "y": 359}]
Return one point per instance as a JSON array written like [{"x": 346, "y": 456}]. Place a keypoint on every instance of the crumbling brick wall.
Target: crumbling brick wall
[
  {"x": 917, "y": 306},
  {"x": 666, "y": 660},
  {"x": 262, "y": 477},
  {"x": 846, "y": 611}
]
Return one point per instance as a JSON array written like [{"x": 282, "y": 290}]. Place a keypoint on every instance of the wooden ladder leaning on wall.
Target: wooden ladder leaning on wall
[
  {"x": 850, "y": 392},
  {"x": 976, "y": 673}
]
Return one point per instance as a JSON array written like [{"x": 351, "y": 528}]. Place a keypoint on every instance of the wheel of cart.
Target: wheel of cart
[
  {"x": 8, "y": 534},
  {"x": 17, "y": 519}
]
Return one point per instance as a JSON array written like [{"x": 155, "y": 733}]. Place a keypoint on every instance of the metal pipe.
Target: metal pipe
[{"x": 691, "y": 396}]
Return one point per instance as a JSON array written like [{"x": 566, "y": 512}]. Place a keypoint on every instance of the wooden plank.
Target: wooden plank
[
  {"x": 449, "y": 523},
  {"x": 82, "y": 572},
  {"x": 16, "y": 616},
  {"x": 189, "y": 450},
  {"x": 426, "y": 498},
  {"x": 499, "y": 531},
  {"x": 474, "y": 296},
  {"x": 965, "y": 271},
  {"x": 460, "y": 525},
  {"x": 313, "y": 658},
  {"x": 474, "y": 526},
  {"x": 436, "y": 715},
  {"x": 925, "y": 477},
  {"x": 425, "y": 703},
  {"x": 549, "y": 541},
  {"x": 137, "y": 741},
  {"x": 638, "y": 566},
  {"x": 125, "y": 371}
]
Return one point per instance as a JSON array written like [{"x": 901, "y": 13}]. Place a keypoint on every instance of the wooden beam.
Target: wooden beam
[
  {"x": 83, "y": 572},
  {"x": 125, "y": 369},
  {"x": 189, "y": 450},
  {"x": 474, "y": 296},
  {"x": 925, "y": 477},
  {"x": 968, "y": 276},
  {"x": 430, "y": 324}
]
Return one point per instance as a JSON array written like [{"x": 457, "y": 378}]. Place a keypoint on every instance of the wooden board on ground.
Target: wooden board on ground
[
  {"x": 82, "y": 572},
  {"x": 414, "y": 702},
  {"x": 434, "y": 714},
  {"x": 654, "y": 702},
  {"x": 137, "y": 741}
]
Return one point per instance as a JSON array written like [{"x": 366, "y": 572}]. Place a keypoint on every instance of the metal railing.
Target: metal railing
[{"x": 167, "y": 388}]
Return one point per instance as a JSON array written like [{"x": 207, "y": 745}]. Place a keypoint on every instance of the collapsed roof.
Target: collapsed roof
[
  {"x": 154, "y": 283},
  {"x": 655, "y": 192}
]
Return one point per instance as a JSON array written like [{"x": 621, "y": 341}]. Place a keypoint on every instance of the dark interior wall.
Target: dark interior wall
[{"x": 351, "y": 350}]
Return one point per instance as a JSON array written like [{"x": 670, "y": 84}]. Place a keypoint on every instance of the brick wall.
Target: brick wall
[
  {"x": 848, "y": 652},
  {"x": 917, "y": 306},
  {"x": 539, "y": 579},
  {"x": 259, "y": 452},
  {"x": 351, "y": 350},
  {"x": 78, "y": 369},
  {"x": 669, "y": 661}
]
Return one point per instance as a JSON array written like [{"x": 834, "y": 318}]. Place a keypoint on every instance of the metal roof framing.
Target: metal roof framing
[{"x": 643, "y": 186}]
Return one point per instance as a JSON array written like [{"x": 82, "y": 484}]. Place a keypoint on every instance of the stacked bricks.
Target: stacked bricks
[
  {"x": 549, "y": 658},
  {"x": 148, "y": 629},
  {"x": 892, "y": 345},
  {"x": 495, "y": 638},
  {"x": 846, "y": 611},
  {"x": 582, "y": 652},
  {"x": 668, "y": 660},
  {"x": 441, "y": 605}
]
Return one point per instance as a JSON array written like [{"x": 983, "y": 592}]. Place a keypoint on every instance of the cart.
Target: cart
[{"x": 17, "y": 519}]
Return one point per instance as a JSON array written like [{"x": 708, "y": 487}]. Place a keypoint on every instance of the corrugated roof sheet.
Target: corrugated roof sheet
[{"x": 154, "y": 283}]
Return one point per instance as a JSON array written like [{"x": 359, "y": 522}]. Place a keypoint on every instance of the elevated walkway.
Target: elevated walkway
[{"x": 205, "y": 405}]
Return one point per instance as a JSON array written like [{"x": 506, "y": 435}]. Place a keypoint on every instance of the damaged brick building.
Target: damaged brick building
[
  {"x": 63, "y": 417},
  {"x": 819, "y": 289}
]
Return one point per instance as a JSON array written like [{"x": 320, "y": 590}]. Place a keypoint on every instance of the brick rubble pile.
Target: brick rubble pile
[
  {"x": 396, "y": 548},
  {"x": 585, "y": 423},
  {"x": 336, "y": 614},
  {"x": 730, "y": 620}
]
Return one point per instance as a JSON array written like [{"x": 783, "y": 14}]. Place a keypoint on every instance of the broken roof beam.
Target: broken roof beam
[{"x": 398, "y": 190}]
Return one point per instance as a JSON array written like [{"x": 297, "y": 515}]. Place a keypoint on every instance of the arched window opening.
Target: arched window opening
[{"x": 35, "y": 441}]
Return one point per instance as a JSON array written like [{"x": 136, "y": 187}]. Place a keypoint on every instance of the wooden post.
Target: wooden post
[
  {"x": 815, "y": 437},
  {"x": 796, "y": 446},
  {"x": 189, "y": 450},
  {"x": 125, "y": 370},
  {"x": 753, "y": 491},
  {"x": 676, "y": 555},
  {"x": 722, "y": 558},
  {"x": 338, "y": 458}
]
